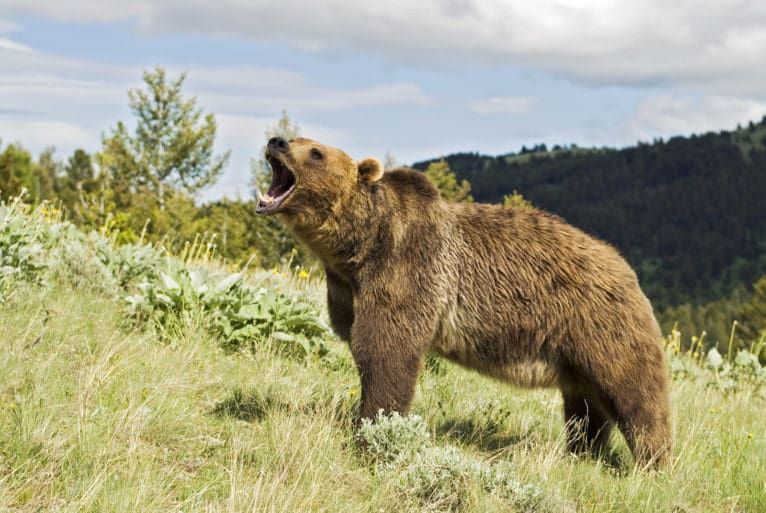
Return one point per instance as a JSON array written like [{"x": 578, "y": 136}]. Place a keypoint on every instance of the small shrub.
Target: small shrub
[
  {"x": 130, "y": 263},
  {"x": 22, "y": 254},
  {"x": 443, "y": 477},
  {"x": 394, "y": 437},
  {"x": 239, "y": 314}
]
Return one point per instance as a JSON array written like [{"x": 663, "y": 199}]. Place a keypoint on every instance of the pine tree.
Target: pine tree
[
  {"x": 445, "y": 181},
  {"x": 172, "y": 146},
  {"x": 516, "y": 200}
]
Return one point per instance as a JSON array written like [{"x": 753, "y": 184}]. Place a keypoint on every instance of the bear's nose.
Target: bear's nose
[{"x": 278, "y": 143}]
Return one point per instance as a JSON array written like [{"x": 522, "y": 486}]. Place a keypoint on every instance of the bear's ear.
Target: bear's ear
[{"x": 370, "y": 169}]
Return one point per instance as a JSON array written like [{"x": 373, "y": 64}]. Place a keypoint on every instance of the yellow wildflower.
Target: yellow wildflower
[{"x": 303, "y": 274}]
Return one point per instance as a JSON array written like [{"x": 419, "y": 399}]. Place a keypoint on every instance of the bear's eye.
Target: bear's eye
[{"x": 316, "y": 154}]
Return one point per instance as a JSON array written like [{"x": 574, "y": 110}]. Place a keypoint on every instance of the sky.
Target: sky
[{"x": 413, "y": 80}]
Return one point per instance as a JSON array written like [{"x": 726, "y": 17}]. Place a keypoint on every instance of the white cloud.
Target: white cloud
[
  {"x": 515, "y": 105},
  {"x": 13, "y": 46},
  {"x": 667, "y": 115},
  {"x": 48, "y": 82},
  {"x": 601, "y": 41},
  {"x": 257, "y": 90},
  {"x": 84, "y": 10},
  {"x": 251, "y": 131},
  {"x": 39, "y": 81},
  {"x": 7, "y": 27},
  {"x": 36, "y": 135}
]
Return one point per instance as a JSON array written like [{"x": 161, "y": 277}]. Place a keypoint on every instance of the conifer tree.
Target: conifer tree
[
  {"x": 445, "y": 181},
  {"x": 171, "y": 148}
]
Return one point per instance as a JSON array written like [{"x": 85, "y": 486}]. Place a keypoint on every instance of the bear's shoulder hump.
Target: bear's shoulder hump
[{"x": 410, "y": 180}]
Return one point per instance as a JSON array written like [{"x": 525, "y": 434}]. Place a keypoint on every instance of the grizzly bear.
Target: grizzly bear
[{"x": 514, "y": 293}]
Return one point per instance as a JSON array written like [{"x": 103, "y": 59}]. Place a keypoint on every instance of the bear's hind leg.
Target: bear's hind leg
[
  {"x": 644, "y": 423},
  {"x": 638, "y": 401},
  {"x": 588, "y": 425}
]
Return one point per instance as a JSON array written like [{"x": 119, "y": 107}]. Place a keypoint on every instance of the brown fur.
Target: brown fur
[{"x": 516, "y": 294}]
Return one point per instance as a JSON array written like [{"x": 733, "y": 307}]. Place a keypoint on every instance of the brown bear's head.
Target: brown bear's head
[{"x": 310, "y": 180}]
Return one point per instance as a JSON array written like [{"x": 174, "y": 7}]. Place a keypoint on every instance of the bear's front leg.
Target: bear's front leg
[
  {"x": 340, "y": 305},
  {"x": 388, "y": 343},
  {"x": 387, "y": 385}
]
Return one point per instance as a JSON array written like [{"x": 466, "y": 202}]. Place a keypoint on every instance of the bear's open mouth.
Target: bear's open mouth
[{"x": 282, "y": 184}]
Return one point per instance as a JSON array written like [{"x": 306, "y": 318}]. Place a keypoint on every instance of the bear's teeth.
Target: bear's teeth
[{"x": 266, "y": 199}]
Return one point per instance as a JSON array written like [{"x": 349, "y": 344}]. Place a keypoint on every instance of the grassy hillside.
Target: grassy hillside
[{"x": 135, "y": 381}]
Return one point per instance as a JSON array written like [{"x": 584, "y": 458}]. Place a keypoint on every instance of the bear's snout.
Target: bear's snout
[{"x": 277, "y": 144}]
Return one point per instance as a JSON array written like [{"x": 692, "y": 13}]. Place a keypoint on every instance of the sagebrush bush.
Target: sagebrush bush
[
  {"x": 394, "y": 437},
  {"x": 401, "y": 450}
]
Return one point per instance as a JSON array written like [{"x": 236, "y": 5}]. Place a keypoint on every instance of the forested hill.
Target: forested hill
[{"x": 688, "y": 213}]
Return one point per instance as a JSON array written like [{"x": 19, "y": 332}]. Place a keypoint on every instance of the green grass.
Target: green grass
[{"x": 98, "y": 416}]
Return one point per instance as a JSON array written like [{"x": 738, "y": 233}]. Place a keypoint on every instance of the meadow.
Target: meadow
[{"x": 136, "y": 380}]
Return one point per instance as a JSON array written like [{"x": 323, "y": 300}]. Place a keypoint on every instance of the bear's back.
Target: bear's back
[{"x": 525, "y": 279}]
